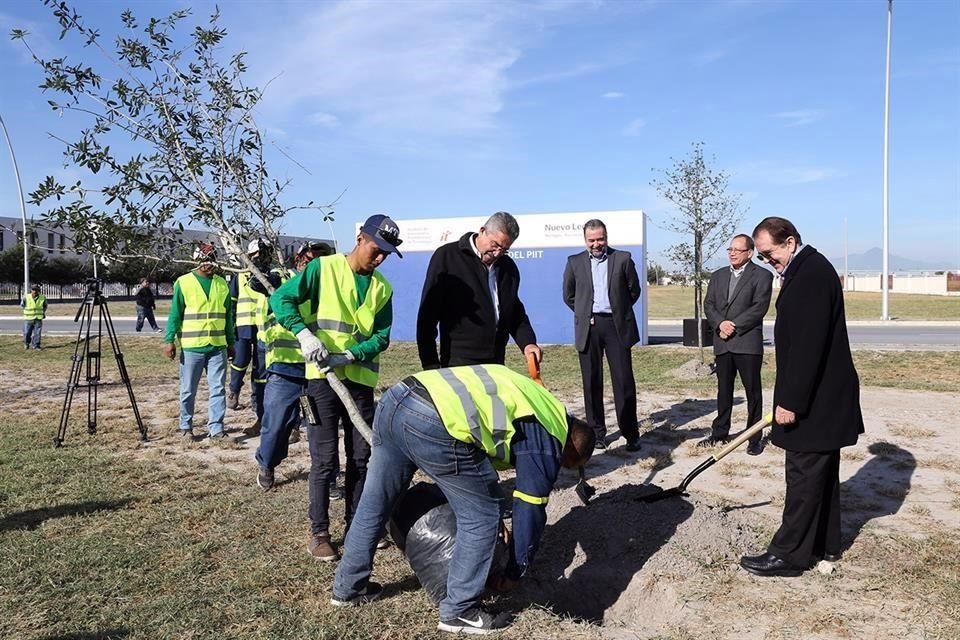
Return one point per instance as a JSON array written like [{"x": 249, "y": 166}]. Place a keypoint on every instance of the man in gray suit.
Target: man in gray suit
[
  {"x": 738, "y": 297},
  {"x": 601, "y": 285}
]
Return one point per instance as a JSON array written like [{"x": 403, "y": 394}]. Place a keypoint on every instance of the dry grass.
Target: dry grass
[
  {"x": 943, "y": 463},
  {"x": 911, "y": 432}
]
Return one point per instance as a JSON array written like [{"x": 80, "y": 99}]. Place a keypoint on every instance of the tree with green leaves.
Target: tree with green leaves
[
  {"x": 706, "y": 213},
  {"x": 168, "y": 139}
]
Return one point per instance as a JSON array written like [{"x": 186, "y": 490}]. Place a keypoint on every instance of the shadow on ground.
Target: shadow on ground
[
  {"x": 590, "y": 556},
  {"x": 29, "y": 520},
  {"x": 877, "y": 489}
]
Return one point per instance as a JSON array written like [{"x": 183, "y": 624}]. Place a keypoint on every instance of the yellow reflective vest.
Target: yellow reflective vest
[
  {"x": 247, "y": 301},
  {"x": 33, "y": 307},
  {"x": 479, "y": 403},
  {"x": 342, "y": 323},
  {"x": 204, "y": 317}
]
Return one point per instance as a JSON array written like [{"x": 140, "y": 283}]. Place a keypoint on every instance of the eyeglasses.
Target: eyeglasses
[
  {"x": 767, "y": 256},
  {"x": 732, "y": 250},
  {"x": 495, "y": 247}
]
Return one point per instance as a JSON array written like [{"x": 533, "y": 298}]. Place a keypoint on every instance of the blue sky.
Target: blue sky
[{"x": 435, "y": 109}]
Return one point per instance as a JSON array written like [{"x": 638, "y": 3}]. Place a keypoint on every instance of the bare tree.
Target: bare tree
[
  {"x": 169, "y": 139},
  {"x": 706, "y": 214}
]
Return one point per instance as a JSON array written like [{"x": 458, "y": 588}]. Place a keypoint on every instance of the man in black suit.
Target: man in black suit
[
  {"x": 816, "y": 401},
  {"x": 738, "y": 297},
  {"x": 600, "y": 285},
  {"x": 471, "y": 294}
]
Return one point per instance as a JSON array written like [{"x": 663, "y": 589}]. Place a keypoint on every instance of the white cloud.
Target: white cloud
[
  {"x": 634, "y": 127},
  {"x": 404, "y": 66},
  {"x": 323, "y": 119},
  {"x": 612, "y": 95},
  {"x": 783, "y": 175},
  {"x": 801, "y": 117}
]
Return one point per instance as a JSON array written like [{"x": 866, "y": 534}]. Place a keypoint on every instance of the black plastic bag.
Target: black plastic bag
[{"x": 424, "y": 527}]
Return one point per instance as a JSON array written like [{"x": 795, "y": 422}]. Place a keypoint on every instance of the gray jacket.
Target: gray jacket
[
  {"x": 623, "y": 285},
  {"x": 746, "y": 308}
]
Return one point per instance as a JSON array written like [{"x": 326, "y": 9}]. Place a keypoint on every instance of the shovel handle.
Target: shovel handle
[
  {"x": 533, "y": 368},
  {"x": 743, "y": 437}
]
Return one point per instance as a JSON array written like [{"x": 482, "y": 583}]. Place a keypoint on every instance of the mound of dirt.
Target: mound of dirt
[
  {"x": 599, "y": 562},
  {"x": 692, "y": 369}
]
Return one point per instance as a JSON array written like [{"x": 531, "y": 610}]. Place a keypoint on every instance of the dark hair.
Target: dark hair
[
  {"x": 580, "y": 440},
  {"x": 594, "y": 224},
  {"x": 779, "y": 229},
  {"x": 746, "y": 239}
]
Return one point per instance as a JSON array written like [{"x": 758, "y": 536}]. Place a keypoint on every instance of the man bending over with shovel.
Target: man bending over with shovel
[{"x": 459, "y": 425}]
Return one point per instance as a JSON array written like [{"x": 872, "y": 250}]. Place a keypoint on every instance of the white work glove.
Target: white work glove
[
  {"x": 312, "y": 348},
  {"x": 337, "y": 360}
]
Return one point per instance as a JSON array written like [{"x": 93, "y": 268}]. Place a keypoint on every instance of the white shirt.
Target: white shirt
[{"x": 491, "y": 278}]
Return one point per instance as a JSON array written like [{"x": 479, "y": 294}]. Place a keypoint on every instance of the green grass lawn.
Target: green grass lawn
[
  {"x": 677, "y": 302},
  {"x": 96, "y": 542}
]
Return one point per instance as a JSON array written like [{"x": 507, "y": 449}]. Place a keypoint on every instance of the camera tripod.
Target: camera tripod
[{"x": 86, "y": 357}]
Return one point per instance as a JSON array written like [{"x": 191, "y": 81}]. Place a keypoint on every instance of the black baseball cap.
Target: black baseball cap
[
  {"x": 35, "y": 287},
  {"x": 384, "y": 232}
]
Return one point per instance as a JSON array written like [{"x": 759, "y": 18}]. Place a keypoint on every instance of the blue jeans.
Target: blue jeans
[
  {"x": 192, "y": 364},
  {"x": 244, "y": 352},
  {"x": 282, "y": 401},
  {"x": 31, "y": 333},
  {"x": 145, "y": 313},
  {"x": 408, "y": 434}
]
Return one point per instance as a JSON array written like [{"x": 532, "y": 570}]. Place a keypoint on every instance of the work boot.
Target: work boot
[
  {"x": 253, "y": 430},
  {"x": 265, "y": 478},
  {"x": 322, "y": 549},
  {"x": 370, "y": 593},
  {"x": 233, "y": 400}
]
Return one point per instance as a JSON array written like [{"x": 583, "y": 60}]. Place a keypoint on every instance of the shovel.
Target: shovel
[
  {"x": 681, "y": 489},
  {"x": 583, "y": 490}
]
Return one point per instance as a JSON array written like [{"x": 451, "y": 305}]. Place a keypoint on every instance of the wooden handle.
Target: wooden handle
[
  {"x": 533, "y": 368},
  {"x": 743, "y": 437}
]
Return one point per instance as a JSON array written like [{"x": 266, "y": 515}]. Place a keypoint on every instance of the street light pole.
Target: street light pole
[
  {"x": 23, "y": 212},
  {"x": 885, "y": 282}
]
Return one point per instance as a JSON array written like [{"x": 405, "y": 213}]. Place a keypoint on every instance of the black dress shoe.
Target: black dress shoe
[
  {"x": 755, "y": 448},
  {"x": 831, "y": 557},
  {"x": 599, "y": 444},
  {"x": 634, "y": 445},
  {"x": 712, "y": 442},
  {"x": 767, "y": 565}
]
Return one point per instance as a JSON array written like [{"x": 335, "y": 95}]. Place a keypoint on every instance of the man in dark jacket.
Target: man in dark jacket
[
  {"x": 146, "y": 303},
  {"x": 471, "y": 293},
  {"x": 601, "y": 285},
  {"x": 816, "y": 401},
  {"x": 738, "y": 297}
]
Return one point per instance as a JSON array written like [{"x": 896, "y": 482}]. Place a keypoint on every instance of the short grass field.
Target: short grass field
[
  {"x": 669, "y": 303},
  {"x": 102, "y": 539}
]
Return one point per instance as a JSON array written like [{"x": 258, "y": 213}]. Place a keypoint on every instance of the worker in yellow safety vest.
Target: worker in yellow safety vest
[
  {"x": 249, "y": 309},
  {"x": 201, "y": 319},
  {"x": 340, "y": 308},
  {"x": 459, "y": 425},
  {"x": 34, "y": 311}
]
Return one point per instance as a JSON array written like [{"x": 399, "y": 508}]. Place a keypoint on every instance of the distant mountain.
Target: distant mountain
[{"x": 872, "y": 260}]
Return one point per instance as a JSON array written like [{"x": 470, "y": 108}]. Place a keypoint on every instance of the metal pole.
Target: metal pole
[
  {"x": 846, "y": 269},
  {"x": 23, "y": 212},
  {"x": 885, "y": 282}
]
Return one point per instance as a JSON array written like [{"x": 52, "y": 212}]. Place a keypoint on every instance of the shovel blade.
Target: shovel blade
[{"x": 663, "y": 494}]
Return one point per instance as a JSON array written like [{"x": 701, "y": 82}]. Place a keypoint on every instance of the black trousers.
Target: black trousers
[
  {"x": 603, "y": 338},
  {"x": 728, "y": 366},
  {"x": 324, "y": 444},
  {"x": 811, "y": 510}
]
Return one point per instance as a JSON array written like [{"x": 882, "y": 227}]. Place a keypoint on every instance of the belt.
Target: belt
[
  {"x": 602, "y": 315},
  {"x": 416, "y": 387}
]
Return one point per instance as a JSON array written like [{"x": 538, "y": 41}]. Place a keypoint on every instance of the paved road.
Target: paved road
[
  {"x": 942, "y": 336},
  {"x": 938, "y": 336}
]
